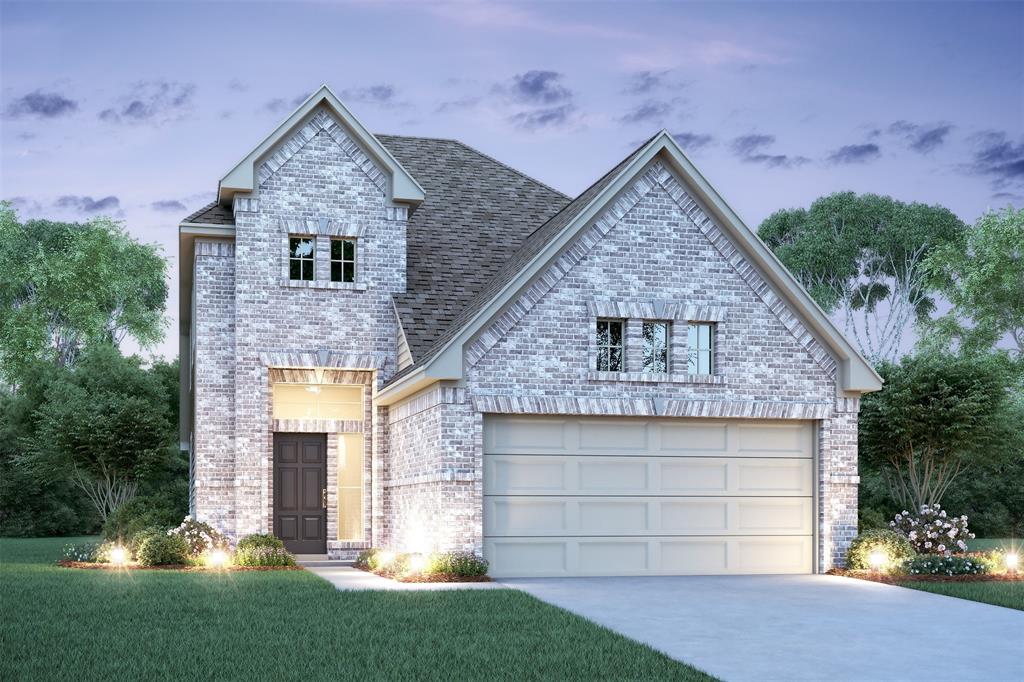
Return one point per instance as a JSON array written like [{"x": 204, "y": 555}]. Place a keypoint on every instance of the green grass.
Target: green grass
[
  {"x": 1008, "y": 594},
  {"x": 985, "y": 544},
  {"x": 58, "y": 623}
]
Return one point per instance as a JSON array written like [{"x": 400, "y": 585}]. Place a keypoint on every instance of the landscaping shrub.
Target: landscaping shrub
[
  {"x": 81, "y": 551},
  {"x": 869, "y": 518},
  {"x": 263, "y": 555},
  {"x": 137, "y": 515},
  {"x": 154, "y": 547},
  {"x": 932, "y": 531},
  {"x": 938, "y": 564},
  {"x": 367, "y": 559},
  {"x": 894, "y": 544},
  {"x": 200, "y": 536},
  {"x": 462, "y": 564},
  {"x": 260, "y": 540}
]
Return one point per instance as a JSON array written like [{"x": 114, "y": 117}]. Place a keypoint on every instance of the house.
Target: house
[{"x": 401, "y": 342}]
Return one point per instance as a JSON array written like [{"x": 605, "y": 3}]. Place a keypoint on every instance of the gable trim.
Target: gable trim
[{"x": 242, "y": 178}]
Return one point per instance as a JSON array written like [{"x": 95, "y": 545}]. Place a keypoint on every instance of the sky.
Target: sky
[{"x": 136, "y": 109}]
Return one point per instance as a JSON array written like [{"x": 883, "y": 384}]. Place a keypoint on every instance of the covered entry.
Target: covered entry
[{"x": 638, "y": 496}]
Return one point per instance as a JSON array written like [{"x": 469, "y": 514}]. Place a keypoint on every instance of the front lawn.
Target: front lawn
[
  {"x": 58, "y": 623},
  {"x": 987, "y": 544},
  {"x": 1008, "y": 594}
]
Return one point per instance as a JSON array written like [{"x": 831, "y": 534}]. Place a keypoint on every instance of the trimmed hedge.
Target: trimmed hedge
[
  {"x": 154, "y": 547},
  {"x": 894, "y": 544},
  {"x": 260, "y": 540},
  {"x": 263, "y": 556}
]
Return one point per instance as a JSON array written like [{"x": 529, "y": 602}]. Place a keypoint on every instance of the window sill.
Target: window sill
[
  {"x": 320, "y": 284},
  {"x": 656, "y": 378}
]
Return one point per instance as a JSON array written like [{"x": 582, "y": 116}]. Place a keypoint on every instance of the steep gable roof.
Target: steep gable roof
[
  {"x": 211, "y": 214},
  {"x": 443, "y": 359}
]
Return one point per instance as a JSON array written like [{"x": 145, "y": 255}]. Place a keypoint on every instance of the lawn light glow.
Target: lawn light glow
[
  {"x": 118, "y": 555},
  {"x": 218, "y": 558},
  {"x": 385, "y": 558},
  {"x": 417, "y": 562},
  {"x": 878, "y": 559},
  {"x": 1012, "y": 560}
]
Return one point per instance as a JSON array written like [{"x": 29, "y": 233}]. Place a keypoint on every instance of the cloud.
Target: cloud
[
  {"x": 751, "y": 149},
  {"x": 646, "y": 111},
  {"x": 41, "y": 105},
  {"x": 691, "y": 142},
  {"x": 86, "y": 204},
  {"x": 997, "y": 156},
  {"x": 382, "y": 95},
  {"x": 539, "y": 87},
  {"x": 855, "y": 153},
  {"x": 644, "y": 82},
  {"x": 24, "y": 205},
  {"x": 280, "y": 104},
  {"x": 548, "y": 117},
  {"x": 921, "y": 138},
  {"x": 152, "y": 102},
  {"x": 236, "y": 85},
  {"x": 495, "y": 16},
  {"x": 168, "y": 205},
  {"x": 468, "y": 102}
]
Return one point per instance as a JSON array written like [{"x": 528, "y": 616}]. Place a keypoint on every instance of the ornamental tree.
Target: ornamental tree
[{"x": 860, "y": 257}]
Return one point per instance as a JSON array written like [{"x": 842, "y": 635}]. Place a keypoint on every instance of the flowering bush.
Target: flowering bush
[
  {"x": 932, "y": 531},
  {"x": 938, "y": 564},
  {"x": 895, "y": 546},
  {"x": 82, "y": 551},
  {"x": 200, "y": 537}
]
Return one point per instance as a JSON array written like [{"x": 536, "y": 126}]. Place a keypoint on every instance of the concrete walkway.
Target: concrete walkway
[
  {"x": 763, "y": 628},
  {"x": 345, "y": 577}
]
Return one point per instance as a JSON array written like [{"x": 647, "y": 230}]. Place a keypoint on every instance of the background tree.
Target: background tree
[
  {"x": 104, "y": 426},
  {"x": 984, "y": 280},
  {"x": 937, "y": 416},
  {"x": 862, "y": 256},
  {"x": 68, "y": 286}
]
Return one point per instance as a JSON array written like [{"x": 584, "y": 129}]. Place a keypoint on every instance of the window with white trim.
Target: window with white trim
[
  {"x": 655, "y": 336},
  {"x": 343, "y": 260},
  {"x": 301, "y": 258},
  {"x": 701, "y": 348},
  {"x": 610, "y": 340}
]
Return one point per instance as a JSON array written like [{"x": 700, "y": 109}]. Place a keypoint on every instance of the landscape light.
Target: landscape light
[
  {"x": 878, "y": 559},
  {"x": 417, "y": 562},
  {"x": 1011, "y": 559},
  {"x": 385, "y": 558},
  {"x": 218, "y": 558},
  {"x": 118, "y": 555}
]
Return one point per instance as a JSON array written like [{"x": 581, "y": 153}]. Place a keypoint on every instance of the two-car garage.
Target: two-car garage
[{"x": 568, "y": 496}]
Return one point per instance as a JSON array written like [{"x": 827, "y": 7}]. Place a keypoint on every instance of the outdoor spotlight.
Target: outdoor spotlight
[
  {"x": 385, "y": 558},
  {"x": 1012, "y": 559},
  {"x": 218, "y": 558},
  {"x": 417, "y": 562},
  {"x": 878, "y": 559},
  {"x": 118, "y": 555}
]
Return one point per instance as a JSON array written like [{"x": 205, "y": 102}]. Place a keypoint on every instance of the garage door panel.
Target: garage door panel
[
  {"x": 595, "y": 475},
  {"x": 773, "y": 555},
  {"x": 778, "y": 516},
  {"x": 766, "y": 440},
  {"x": 679, "y": 438},
  {"x": 526, "y": 434},
  {"x": 613, "y": 436}
]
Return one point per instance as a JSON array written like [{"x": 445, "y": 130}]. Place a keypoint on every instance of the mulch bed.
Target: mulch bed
[
  {"x": 897, "y": 579},
  {"x": 172, "y": 567},
  {"x": 432, "y": 578}
]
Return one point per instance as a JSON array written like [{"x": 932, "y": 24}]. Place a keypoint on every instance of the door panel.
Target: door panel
[{"x": 300, "y": 477}]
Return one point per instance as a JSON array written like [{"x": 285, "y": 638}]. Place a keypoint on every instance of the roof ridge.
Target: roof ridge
[{"x": 486, "y": 156}]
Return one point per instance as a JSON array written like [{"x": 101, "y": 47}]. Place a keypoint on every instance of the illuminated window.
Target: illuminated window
[
  {"x": 318, "y": 401},
  {"x": 702, "y": 349},
  {"x": 350, "y": 486}
]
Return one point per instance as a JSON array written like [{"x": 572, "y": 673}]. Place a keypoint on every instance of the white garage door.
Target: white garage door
[{"x": 622, "y": 496}]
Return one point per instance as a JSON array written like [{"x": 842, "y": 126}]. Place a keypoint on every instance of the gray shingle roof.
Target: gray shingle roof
[
  {"x": 476, "y": 214},
  {"x": 212, "y": 214},
  {"x": 511, "y": 265}
]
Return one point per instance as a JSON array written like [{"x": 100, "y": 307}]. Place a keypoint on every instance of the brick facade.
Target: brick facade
[{"x": 652, "y": 254}]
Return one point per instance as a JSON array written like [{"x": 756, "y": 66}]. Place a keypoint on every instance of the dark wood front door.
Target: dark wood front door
[{"x": 300, "y": 491}]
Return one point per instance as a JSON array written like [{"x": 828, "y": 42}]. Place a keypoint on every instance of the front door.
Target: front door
[{"x": 300, "y": 491}]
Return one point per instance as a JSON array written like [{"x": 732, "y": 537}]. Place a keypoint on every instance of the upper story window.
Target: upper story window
[
  {"x": 610, "y": 345},
  {"x": 343, "y": 260},
  {"x": 655, "y": 336},
  {"x": 301, "y": 257},
  {"x": 702, "y": 348}
]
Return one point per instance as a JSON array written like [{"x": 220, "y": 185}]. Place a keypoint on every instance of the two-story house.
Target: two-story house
[{"x": 401, "y": 342}]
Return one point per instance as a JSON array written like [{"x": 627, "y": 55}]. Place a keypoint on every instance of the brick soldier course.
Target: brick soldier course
[{"x": 477, "y": 293}]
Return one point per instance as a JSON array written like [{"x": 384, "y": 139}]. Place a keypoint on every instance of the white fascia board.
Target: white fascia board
[{"x": 404, "y": 187}]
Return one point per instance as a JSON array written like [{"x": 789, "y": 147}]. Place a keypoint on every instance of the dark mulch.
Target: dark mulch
[
  {"x": 171, "y": 567},
  {"x": 897, "y": 579}
]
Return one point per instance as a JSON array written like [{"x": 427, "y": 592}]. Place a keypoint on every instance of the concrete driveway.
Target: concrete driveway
[{"x": 800, "y": 627}]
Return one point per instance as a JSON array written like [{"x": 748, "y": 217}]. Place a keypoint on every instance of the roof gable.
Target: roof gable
[
  {"x": 444, "y": 360},
  {"x": 242, "y": 178}
]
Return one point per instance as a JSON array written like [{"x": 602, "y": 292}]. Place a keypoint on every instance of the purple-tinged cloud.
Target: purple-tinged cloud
[
  {"x": 647, "y": 111},
  {"x": 280, "y": 104},
  {"x": 751, "y": 149},
  {"x": 547, "y": 117},
  {"x": 168, "y": 205},
  {"x": 855, "y": 153},
  {"x": 86, "y": 204},
  {"x": 921, "y": 138},
  {"x": 539, "y": 87},
  {"x": 645, "y": 82},
  {"x": 151, "y": 102},
  {"x": 41, "y": 105},
  {"x": 381, "y": 95},
  {"x": 692, "y": 142},
  {"x": 998, "y": 157}
]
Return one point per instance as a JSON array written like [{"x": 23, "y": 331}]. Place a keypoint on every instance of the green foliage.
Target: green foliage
[
  {"x": 937, "y": 416},
  {"x": 895, "y": 545},
  {"x": 462, "y": 564},
  {"x": 853, "y": 253},
  {"x": 154, "y": 547},
  {"x": 936, "y": 564},
  {"x": 367, "y": 559},
  {"x": 137, "y": 515},
  {"x": 263, "y": 555},
  {"x": 65, "y": 287},
  {"x": 104, "y": 425},
  {"x": 81, "y": 551},
  {"x": 984, "y": 281},
  {"x": 871, "y": 518},
  {"x": 257, "y": 540}
]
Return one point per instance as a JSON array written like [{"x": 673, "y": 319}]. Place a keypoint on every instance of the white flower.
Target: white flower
[{"x": 927, "y": 544}]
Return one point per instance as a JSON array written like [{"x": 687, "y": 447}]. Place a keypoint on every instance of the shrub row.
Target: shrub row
[{"x": 452, "y": 564}]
